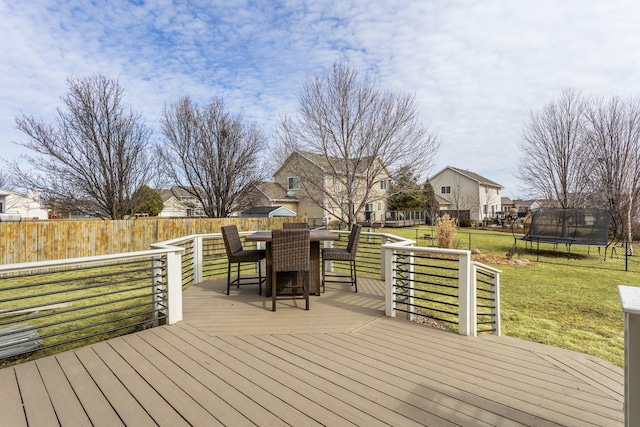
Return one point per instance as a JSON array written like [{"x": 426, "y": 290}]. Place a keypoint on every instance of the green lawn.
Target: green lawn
[{"x": 574, "y": 306}]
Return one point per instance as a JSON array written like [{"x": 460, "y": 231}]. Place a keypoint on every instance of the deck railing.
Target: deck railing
[
  {"x": 440, "y": 284},
  {"x": 443, "y": 285},
  {"x": 57, "y": 303},
  {"x": 66, "y": 302}
]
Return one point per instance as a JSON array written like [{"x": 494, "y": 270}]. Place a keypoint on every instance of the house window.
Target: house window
[
  {"x": 368, "y": 207},
  {"x": 383, "y": 185},
  {"x": 1, "y": 207},
  {"x": 379, "y": 206},
  {"x": 294, "y": 183},
  {"x": 445, "y": 189},
  {"x": 484, "y": 208}
]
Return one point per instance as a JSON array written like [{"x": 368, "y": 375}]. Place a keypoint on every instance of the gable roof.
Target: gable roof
[
  {"x": 326, "y": 163},
  {"x": 472, "y": 176},
  {"x": 267, "y": 211},
  {"x": 272, "y": 190}
]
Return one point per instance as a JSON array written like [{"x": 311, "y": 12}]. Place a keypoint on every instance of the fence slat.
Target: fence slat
[{"x": 30, "y": 241}]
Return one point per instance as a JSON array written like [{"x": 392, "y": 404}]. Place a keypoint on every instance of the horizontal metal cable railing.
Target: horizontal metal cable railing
[
  {"x": 443, "y": 285},
  {"x": 70, "y": 303},
  {"x": 76, "y": 301}
]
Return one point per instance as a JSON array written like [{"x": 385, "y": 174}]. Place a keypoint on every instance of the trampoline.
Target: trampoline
[{"x": 583, "y": 227}]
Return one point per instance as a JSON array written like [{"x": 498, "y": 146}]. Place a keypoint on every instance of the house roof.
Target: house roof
[
  {"x": 177, "y": 192},
  {"x": 267, "y": 211},
  {"x": 505, "y": 201},
  {"x": 473, "y": 176},
  {"x": 273, "y": 191},
  {"x": 326, "y": 163}
]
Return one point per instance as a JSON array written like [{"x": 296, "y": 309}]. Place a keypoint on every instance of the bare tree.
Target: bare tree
[
  {"x": 461, "y": 198},
  {"x": 553, "y": 161},
  {"x": 210, "y": 153},
  {"x": 614, "y": 142},
  {"x": 5, "y": 180},
  {"x": 360, "y": 131},
  {"x": 93, "y": 156}
]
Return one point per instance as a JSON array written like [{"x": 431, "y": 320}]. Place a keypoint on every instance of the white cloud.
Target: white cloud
[{"x": 477, "y": 68}]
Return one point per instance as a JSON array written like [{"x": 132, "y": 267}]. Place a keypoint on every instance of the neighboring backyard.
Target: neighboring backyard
[{"x": 573, "y": 305}]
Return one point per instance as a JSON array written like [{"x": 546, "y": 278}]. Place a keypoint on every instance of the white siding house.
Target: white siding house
[
  {"x": 28, "y": 206},
  {"x": 460, "y": 190}
]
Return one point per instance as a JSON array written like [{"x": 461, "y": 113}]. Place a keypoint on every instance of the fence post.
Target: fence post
[
  {"x": 388, "y": 260},
  {"x": 196, "y": 248},
  {"x": 174, "y": 287},
  {"x": 465, "y": 298},
  {"x": 630, "y": 299}
]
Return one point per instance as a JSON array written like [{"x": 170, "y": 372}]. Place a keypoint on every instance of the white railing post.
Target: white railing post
[
  {"x": 630, "y": 299},
  {"x": 329, "y": 268},
  {"x": 383, "y": 269},
  {"x": 466, "y": 300},
  {"x": 473, "y": 300},
  {"x": 388, "y": 259},
  {"x": 174, "y": 287},
  {"x": 157, "y": 288},
  {"x": 495, "y": 282},
  {"x": 412, "y": 309},
  {"x": 196, "y": 250}
]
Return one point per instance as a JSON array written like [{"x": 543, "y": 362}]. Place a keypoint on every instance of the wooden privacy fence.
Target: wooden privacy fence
[{"x": 30, "y": 241}]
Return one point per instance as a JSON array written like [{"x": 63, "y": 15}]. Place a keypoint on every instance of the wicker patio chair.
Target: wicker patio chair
[
  {"x": 340, "y": 254},
  {"x": 294, "y": 225},
  {"x": 290, "y": 257},
  {"x": 237, "y": 255}
]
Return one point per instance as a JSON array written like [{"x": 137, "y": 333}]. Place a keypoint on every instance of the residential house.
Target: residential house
[
  {"x": 304, "y": 181},
  {"x": 268, "y": 194},
  {"x": 16, "y": 206},
  {"x": 178, "y": 202},
  {"x": 526, "y": 206},
  {"x": 267, "y": 212},
  {"x": 466, "y": 194}
]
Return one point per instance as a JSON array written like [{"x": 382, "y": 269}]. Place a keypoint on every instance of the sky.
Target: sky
[{"x": 477, "y": 69}]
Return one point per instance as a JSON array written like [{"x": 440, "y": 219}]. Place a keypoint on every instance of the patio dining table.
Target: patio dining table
[{"x": 315, "y": 237}]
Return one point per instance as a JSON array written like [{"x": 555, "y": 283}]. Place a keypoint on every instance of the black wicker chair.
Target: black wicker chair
[
  {"x": 340, "y": 254},
  {"x": 237, "y": 255},
  {"x": 290, "y": 257}
]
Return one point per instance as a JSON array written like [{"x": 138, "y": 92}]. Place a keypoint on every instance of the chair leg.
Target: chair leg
[
  {"x": 259, "y": 279},
  {"x": 306, "y": 289},
  {"x": 238, "y": 278},
  {"x": 355, "y": 276},
  {"x": 273, "y": 291},
  {"x": 323, "y": 273},
  {"x": 228, "y": 276}
]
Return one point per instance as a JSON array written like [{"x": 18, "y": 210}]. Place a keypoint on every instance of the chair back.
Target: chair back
[
  {"x": 294, "y": 225},
  {"x": 231, "y": 237},
  {"x": 290, "y": 250},
  {"x": 354, "y": 238}
]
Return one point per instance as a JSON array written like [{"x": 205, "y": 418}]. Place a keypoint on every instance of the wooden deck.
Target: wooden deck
[{"x": 234, "y": 362}]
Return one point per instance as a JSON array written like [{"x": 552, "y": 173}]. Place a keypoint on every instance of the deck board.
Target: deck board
[
  {"x": 232, "y": 361},
  {"x": 63, "y": 398},
  {"x": 37, "y": 405},
  {"x": 11, "y": 410}
]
